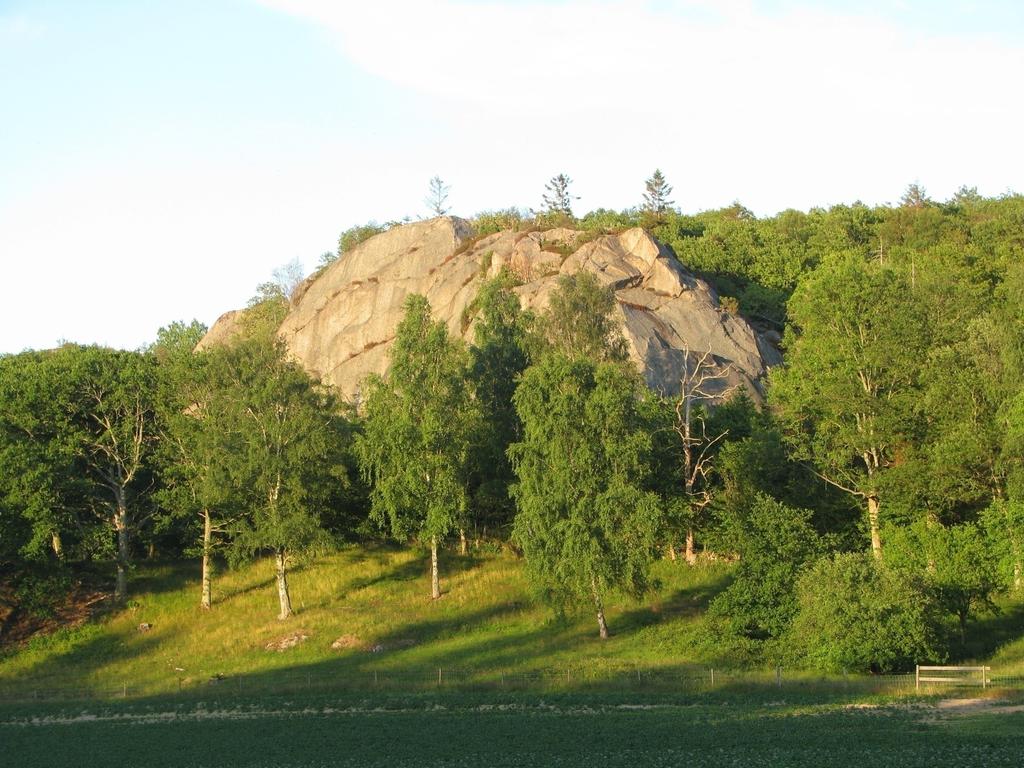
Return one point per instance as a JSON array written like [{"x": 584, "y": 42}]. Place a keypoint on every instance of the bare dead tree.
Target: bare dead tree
[{"x": 697, "y": 386}]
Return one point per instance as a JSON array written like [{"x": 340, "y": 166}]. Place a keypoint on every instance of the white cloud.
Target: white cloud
[
  {"x": 795, "y": 108},
  {"x": 19, "y": 28}
]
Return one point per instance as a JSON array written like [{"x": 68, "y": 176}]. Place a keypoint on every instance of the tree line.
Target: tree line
[{"x": 874, "y": 503}]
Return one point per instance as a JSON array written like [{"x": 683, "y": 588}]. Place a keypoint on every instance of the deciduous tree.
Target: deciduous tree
[
  {"x": 285, "y": 456},
  {"x": 417, "y": 434},
  {"x": 586, "y": 522},
  {"x": 849, "y": 388}
]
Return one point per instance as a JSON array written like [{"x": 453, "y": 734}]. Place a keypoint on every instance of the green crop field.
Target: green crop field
[{"x": 556, "y": 731}]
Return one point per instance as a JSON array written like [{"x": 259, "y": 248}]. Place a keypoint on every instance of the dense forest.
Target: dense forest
[{"x": 873, "y": 503}]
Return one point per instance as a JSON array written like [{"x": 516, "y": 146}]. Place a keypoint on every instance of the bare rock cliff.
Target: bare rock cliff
[{"x": 342, "y": 321}]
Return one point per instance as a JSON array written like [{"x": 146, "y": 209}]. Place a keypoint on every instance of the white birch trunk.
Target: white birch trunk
[
  {"x": 435, "y": 581},
  {"x": 207, "y": 598},
  {"x": 282, "y": 587},
  {"x": 873, "y": 524},
  {"x": 123, "y": 555},
  {"x": 602, "y": 625}
]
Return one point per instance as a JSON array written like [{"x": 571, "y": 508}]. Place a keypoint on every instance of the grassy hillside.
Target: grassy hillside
[
  {"x": 486, "y": 625},
  {"x": 378, "y": 601}
]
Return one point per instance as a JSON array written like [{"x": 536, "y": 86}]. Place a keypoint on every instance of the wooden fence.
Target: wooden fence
[{"x": 952, "y": 676}]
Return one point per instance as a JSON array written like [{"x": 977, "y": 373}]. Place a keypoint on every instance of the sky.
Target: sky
[{"x": 160, "y": 158}]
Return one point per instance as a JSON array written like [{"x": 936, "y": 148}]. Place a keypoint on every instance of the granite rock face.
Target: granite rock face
[{"x": 342, "y": 321}]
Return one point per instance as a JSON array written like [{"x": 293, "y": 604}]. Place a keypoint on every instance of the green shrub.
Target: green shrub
[
  {"x": 854, "y": 614},
  {"x": 774, "y": 544},
  {"x": 360, "y": 233},
  {"x": 489, "y": 222}
]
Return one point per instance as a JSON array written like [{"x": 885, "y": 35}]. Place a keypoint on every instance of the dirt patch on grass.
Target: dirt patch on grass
[
  {"x": 347, "y": 641},
  {"x": 288, "y": 641},
  {"x": 975, "y": 706},
  {"x": 83, "y": 602}
]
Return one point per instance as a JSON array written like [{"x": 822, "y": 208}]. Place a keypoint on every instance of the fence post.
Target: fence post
[
  {"x": 917, "y": 677},
  {"x": 712, "y": 677},
  {"x": 124, "y": 690},
  {"x": 438, "y": 675}
]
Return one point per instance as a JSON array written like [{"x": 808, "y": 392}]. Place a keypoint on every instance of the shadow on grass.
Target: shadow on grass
[
  {"x": 449, "y": 564},
  {"x": 987, "y": 633}
]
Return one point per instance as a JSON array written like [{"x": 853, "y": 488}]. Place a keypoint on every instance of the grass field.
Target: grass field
[
  {"x": 377, "y": 600},
  {"x": 486, "y": 629},
  {"x": 567, "y": 730}
]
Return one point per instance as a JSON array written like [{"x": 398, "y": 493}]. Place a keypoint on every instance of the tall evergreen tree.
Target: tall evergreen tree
[
  {"x": 437, "y": 196},
  {"x": 557, "y": 198},
  {"x": 656, "y": 194}
]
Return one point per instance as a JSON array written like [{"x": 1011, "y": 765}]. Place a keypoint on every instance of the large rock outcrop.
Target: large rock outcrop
[{"x": 342, "y": 321}]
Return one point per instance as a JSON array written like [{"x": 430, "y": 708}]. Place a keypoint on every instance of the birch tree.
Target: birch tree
[
  {"x": 586, "y": 522},
  {"x": 849, "y": 386},
  {"x": 418, "y": 426},
  {"x": 288, "y": 438},
  {"x": 116, "y": 391},
  {"x": 196, "y": 443}
]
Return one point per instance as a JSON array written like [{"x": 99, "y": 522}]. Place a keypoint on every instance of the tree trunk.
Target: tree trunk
[
  {"x": 435, "y": 582},
  {"x": 1018, "y": 575},
  {"x": 602, "y": 625},
  {"x": 463, "y": 545},
  {"x": 691, "y": 555},
  {"x": 123, "y": 556},
  {"x": 57, "y": 544},
  {"x": 207, "y": 599},
  {"x": 672, "y": 551},
  {"x": 282, "y": 587},
  {"x": 873, "y": 524}
]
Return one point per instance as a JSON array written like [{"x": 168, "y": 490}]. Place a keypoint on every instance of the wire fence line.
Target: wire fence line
[{"x": 638, "y": 679}]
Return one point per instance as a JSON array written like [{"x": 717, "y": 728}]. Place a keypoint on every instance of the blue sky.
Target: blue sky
[{"x": 159, "y": 159}]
